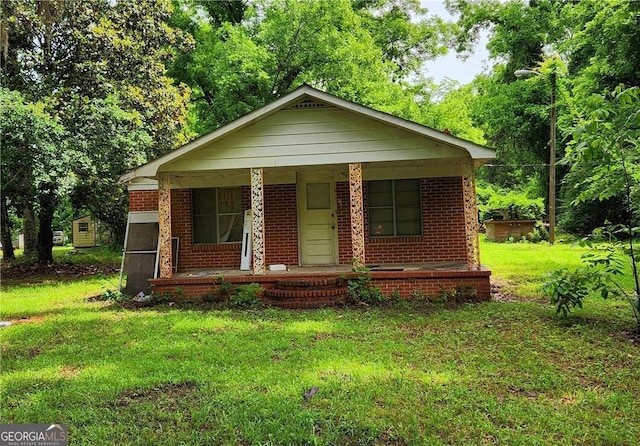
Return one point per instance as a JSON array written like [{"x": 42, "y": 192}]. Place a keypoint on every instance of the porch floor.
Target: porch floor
[{"x": 333, "y": 270}]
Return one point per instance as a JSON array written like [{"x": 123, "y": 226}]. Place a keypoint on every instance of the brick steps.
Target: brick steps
[{"x": 307, "y": 293}]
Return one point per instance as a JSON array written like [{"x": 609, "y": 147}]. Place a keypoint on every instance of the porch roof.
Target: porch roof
[{"x": 228, "y": 148}]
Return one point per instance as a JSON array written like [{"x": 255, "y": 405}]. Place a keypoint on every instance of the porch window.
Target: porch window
[
  {"x": 394, "y": 208},
  {"x": 216, "y": 215}
]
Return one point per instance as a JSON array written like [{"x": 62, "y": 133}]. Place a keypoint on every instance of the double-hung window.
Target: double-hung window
[
  {"x": 394, "y": 208},
  {"x": 216, "y": 215}
]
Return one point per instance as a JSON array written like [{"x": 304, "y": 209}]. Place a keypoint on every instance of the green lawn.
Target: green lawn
[
  {"x": 493, "y": 373},
  {"x": 521, "y": 267}
]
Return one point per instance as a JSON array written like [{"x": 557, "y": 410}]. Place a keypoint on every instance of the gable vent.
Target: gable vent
[{"x": 308, "y": 103}]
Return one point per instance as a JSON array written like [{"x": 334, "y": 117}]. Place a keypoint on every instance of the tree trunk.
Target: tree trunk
[
  {"x": 45, "y": 234},
  {"x": 5, "y": 230},
  {"x": 29, "y": 228}
]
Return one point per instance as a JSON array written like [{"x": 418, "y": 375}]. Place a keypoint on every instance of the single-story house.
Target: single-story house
[{"x": 327, "y": 181}]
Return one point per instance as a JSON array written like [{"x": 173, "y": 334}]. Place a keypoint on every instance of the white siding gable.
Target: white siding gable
[{"x": 313, "y": 136}]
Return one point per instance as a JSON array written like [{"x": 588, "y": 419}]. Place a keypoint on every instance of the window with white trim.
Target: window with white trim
[
  {"x": 216, "y": 215},
  {"x": 394, "y": 208}
]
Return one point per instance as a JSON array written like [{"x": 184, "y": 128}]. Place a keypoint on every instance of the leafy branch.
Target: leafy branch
[{"x": 606, "y": 144}]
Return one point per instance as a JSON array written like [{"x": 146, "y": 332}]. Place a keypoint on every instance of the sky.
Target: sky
[{"x": 450, "y": 66}]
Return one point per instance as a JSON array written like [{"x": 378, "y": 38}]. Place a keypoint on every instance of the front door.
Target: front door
[{"x": 316, "y": 202}]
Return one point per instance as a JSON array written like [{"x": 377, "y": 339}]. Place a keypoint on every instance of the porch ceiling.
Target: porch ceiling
[{"x": 288, "y": 175}]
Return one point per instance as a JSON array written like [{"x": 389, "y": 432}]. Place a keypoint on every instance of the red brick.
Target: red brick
[{"x": 442, "y": 238}]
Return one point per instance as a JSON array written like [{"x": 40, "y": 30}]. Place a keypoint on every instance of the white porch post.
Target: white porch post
[
  {"x": 164, "y": 223},
  {"x": 357, "y": 213},
  {"x": 257, "y": 221},
  {"x": 471, "y": 214}
]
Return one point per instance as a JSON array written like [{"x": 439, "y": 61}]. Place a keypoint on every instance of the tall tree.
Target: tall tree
[
  {"x": 361, "y": 50},
  {"x": 405, "y": 33},
  {"x": 602, "y": 47},
  {"x": 94, "y": 58},
  {"x": 598, "y": 42},
  {"x": 514, "y": 114},
  {"x": 603, "y": 53},
  {"x": 34, "y": 168},
  {"x": 604, "y": 153},
  {"x": 520, "y": 32}
]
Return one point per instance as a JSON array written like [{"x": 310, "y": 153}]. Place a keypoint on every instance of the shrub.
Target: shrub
[
  {"x": 115, "y": 296},
  {"x": 223, "y": 288},
  {"x": 247, "y": 296},
  {"x": 361, "y": 290},
  {"x": 602, "y": 268},
  {"x": 461, "y": 293},
  {"x": 539, "y": 233},
  {"x": 494, "y": 201}
]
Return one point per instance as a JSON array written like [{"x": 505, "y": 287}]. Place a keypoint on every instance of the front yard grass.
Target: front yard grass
[
  {"x": 491, "y": 373},
  {"x": 521, "y": 268}
]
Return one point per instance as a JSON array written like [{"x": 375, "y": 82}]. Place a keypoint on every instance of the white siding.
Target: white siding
[{"x": 312, "y": 137}]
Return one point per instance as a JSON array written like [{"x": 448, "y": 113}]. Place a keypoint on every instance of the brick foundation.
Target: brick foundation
[{"x": 407, "y": 284}]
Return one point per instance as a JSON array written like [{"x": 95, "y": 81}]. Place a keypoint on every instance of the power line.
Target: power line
[{"x": 515, "y": 165}]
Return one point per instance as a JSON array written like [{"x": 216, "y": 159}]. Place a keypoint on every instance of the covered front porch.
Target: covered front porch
[{"x": 303, "y": 216}]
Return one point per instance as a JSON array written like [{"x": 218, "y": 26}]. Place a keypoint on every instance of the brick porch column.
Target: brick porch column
[
  {"x": 257, "y": 221},
  {"x": 471, "y": 214},
  {"x": 357, "y": 213},
  {"x": 164, "y": 223}
]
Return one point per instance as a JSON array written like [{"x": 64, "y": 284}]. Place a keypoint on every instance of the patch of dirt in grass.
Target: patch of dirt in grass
[
  {"x": 36, "y": 274},
  {"x": 33, "y": 352},
  {"x": 500, "y": 290},
  {"x": 158, "y": 415},
  {"x": 69, "y": 371},
  {"x": 357, "y": 435},
  {"x": 321, "y": 336},
  {"x": 166, "y": 397},
  {"x": 633, "y": 336},
  {"x": 386, "y": 439},
  {"x": 28, "y": 319}
]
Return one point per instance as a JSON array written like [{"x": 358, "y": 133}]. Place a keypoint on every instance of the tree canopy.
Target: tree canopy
[
  {"x": 110, "y": 84},
  {"x": 591, "y": 47},
  {"x": 33, "y": 168},
  {"x": 362, "y": 51},
  {"x": 98, "y": 68}
]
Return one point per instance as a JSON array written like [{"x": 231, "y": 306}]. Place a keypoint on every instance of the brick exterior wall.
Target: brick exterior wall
[
  {"x": 196, "y": 256},
  {"x": 443, "y": 231},
  {"x": 281, "y": 228},
  {"x": 442, "y": 239},
  {"x": 281, "y": 224},
  {"x": 343, "y": 215},
  {"x": 413, "y": 287},
  {"x": 143, "y": 200}
]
